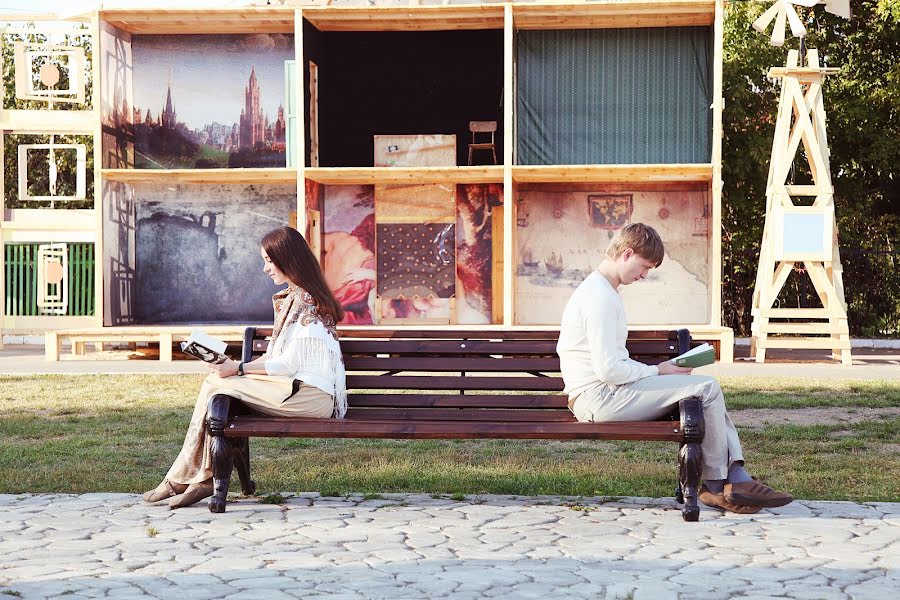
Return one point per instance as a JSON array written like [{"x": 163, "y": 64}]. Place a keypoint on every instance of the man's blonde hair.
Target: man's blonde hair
[{"x": 641, "y": 238}]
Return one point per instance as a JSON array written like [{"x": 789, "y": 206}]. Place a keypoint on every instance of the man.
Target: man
[{"x": 604, "y": 384}]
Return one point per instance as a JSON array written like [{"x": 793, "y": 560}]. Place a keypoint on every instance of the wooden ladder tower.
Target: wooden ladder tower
[{"x": 798, "y": 237}]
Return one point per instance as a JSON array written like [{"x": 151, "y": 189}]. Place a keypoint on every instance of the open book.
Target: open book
[
  {"x": 704, "y": 354},
  {"x": 205, "y": 347}
]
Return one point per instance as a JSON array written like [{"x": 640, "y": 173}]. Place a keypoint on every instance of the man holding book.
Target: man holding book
[{"x": 604, "y": 384}]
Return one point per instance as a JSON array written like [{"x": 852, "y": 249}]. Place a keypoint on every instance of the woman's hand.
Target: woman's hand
[{"x": 226, "y": 369}]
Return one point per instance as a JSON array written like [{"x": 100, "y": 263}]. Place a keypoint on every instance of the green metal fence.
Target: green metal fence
[{"x": 20, "y": 280}]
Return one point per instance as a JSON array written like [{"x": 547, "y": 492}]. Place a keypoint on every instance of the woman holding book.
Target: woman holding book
[{"x": 301, "y": 374}]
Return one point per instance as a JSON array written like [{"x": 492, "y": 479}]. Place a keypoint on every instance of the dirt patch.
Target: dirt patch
[{"x": 760, "y": 417}]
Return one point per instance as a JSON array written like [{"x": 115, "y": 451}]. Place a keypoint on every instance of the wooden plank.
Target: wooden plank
[
  {"x": 449, "y": 382},
  {"x": 415, "y": 203},
  {"x": 444, "y": 347},
  {"x": 264, "y": 19},
  {"x": 393, "y": 18},
  {"x": 42, "y": 121},
  {"x": 822, "y": 343},
  {"x": 451, "y": 364},
  {"x": 207, "y": 176},
  {"x": 612, "y": 173},
  {"x": 801, "y": 328},
  {"x": 517, "y": 401},
  {"x": 796, "y": 313},
  {"x": 51, "y": 347},
  {"x": 614, "y": 14},
  {"x": 455, "y": 414},
  {"x": 348, "y": 428},
  {"x": 405, "y": 175}
]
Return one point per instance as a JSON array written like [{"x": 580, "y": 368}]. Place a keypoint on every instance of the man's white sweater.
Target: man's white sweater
[{"x": 592, "y": 338}]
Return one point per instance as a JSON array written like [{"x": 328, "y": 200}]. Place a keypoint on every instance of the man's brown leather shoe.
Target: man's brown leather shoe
[
  {"x": 755, "y": 493},
  {"x": 719, "y": 501}
]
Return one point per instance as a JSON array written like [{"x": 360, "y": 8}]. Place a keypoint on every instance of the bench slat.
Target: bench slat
[
  {"x": 667, "y": 431},
  {"x": 444, "y": 364},
  {"x": 459, "y": 414},
  {"x": 443, "y": 347},
  {"x": 451, "y": 382},
  {"x": 523, "y": 401}
]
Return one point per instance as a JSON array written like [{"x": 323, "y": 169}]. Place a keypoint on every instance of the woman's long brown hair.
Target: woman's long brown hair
[{"x": 289, "y": 252}]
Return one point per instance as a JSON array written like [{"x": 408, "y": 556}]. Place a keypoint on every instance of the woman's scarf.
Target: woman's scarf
[{"x": 298, "y": 305}]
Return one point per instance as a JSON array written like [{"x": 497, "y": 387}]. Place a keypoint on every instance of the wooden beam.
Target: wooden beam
[
  {"x": 415, "y": 18},
  {"x": 615, "y": 14},
  {"x": 251, "y": 19},
  {"x": 407, "y": 175},
  {"x": 42, "y": 122},
  {"x": 210, "y": 176},
  {"x": 612, "y": 173}
]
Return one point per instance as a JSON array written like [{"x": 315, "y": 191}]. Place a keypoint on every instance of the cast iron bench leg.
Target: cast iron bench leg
[
  {"x": 241, "y": 452},
  {"x": 222, "y": 452},
  {"x": 690, "y": 464}
]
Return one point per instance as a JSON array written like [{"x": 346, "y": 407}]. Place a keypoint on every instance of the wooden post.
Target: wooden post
[
  {"x": 726, "y": 347},
  {"x": 165, "y": 347},
  {"x": 97, "y": 103},
  {"x": 300, "y": 120},
  {"x": 508, "y": 144},
  {"x": 801, "y": 119}
]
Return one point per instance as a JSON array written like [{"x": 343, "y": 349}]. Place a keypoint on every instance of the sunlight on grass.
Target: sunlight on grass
[{"x": 118, "y": 433}]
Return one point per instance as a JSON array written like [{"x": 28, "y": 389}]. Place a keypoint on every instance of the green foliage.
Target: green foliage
[{"x": 864, "y": 140}]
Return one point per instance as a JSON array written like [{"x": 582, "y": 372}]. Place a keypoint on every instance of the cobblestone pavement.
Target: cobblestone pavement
[{"x": 417, "y": 546}]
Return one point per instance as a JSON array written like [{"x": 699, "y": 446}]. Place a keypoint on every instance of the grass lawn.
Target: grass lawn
[{"x": 113, "y": 433}]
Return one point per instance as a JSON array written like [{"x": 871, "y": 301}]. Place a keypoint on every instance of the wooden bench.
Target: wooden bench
[{"x": 455, "y": 385}]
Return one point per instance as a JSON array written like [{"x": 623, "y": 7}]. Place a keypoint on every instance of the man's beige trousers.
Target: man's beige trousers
[{"x": 650, "y": 398}]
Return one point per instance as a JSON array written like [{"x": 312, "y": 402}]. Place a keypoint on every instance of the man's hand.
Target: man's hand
[
  {"x": 226, "y": 369},
  {"x": 670, "y": 368}
]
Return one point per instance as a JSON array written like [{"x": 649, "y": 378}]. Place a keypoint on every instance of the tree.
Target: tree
[{"x": 864, "y": 139}]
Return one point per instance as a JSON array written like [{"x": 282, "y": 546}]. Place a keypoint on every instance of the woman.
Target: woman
[{"x": 301, "y": 374}]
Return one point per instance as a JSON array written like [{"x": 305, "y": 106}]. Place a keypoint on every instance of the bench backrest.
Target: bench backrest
[{"x": 478, "y": 375}]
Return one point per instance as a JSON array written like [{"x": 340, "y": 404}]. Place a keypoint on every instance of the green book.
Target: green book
[{"x": 704, "y": 354}]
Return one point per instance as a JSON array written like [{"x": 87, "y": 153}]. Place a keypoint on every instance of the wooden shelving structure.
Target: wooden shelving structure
[{"x": 507, "y": 17}]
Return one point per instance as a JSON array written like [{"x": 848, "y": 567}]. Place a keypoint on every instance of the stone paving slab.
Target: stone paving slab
[{"x": 413, "y": 546}]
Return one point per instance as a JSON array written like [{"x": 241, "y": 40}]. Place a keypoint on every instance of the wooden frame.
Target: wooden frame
[
  {"x": 25, "y": 53},
  {"x": 801, "y": 119},
  {"x": 80, "y": 174},
  {"x": 506, "y": 16}
]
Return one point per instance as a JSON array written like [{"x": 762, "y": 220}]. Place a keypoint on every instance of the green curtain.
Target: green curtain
[{"x": 614, "y": 96}]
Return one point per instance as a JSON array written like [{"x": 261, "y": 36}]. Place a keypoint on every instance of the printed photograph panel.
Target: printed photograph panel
[
  {"x": 475, "y": 204},
  {"x": 559, "y": 244},
  {"x": 210, "y": 101},
  {"x": 348, "y": 249}
]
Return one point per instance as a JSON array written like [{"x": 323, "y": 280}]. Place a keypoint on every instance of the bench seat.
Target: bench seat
[{"x": 483, "y": 384}]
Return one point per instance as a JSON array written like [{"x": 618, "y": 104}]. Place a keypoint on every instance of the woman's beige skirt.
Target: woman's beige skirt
[{"x": 266, "y": 394}]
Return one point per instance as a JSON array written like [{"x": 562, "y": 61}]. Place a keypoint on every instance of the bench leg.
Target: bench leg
[
  {"x": 222, "y": 453},
  {"x": 241, "y": 451},
  {"x": 690, "y": 464}
]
